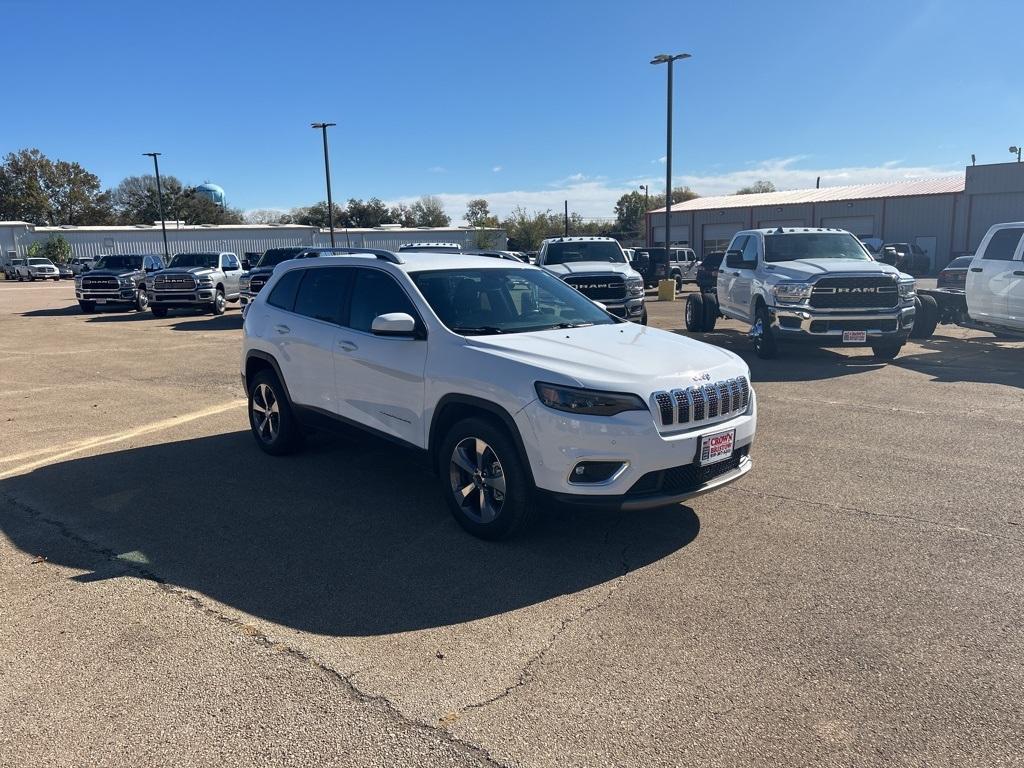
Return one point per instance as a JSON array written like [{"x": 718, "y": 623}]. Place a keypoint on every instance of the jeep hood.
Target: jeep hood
[
  {"x": 623, "y": 357},
  {"x": 808, "y": 269},
  {"x": 589, "y": 268}
]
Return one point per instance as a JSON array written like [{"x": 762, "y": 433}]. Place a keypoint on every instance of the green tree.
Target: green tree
[
  {"x": 629, "y": 213},
  {"x": 762, "y": 185},
  {"x": 57, "y": 249},
  {"x": 402, "y": 214},
  {"x": 316, "y": 215},
  {"x": 135, "y": 201},
  {"x": 478, "y": 214},
  {"x": 370, "y": 214},
  {"x": 428, "y": 211},
  {"x": 679, "y": 195},
  {"x": 36, "y": 189}
]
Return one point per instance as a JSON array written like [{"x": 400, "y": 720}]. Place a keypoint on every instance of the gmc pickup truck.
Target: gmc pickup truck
[{"x": 816, "y": 286}]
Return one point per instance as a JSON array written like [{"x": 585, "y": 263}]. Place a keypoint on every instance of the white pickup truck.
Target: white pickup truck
[
  {"x": 993, "y": 296},
  {"x": 808, "y": 285}
]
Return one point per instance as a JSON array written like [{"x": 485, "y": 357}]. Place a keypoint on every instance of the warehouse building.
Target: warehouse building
[
  {"x": 17, "y": 236},
  {"x": 946, "y": 217}
]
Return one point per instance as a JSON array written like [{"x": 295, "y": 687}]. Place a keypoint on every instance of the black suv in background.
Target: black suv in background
[
  {"x": 117, "y": 280},
  {"x": 260, "y": 271}
]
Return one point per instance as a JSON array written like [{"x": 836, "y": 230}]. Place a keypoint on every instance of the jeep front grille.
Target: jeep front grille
[
  {"x": 855, "y": 293},
  {"x": 174, "y": 283},
  {"x": 703, "y": 404}
]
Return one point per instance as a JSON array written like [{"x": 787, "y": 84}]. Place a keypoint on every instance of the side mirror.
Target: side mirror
[
  {"x": 889, "y": 256},
  {"x": 246, "y": 265},
  {"x": 394, "y": 324}
]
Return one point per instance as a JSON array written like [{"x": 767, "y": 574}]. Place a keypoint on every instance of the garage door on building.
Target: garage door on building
[
  {"x": 766, "y": 223},
  {"x": 680, "y": 233},
  {"x": 717, "y": 237},
  {"x": 861, "y": 226}
]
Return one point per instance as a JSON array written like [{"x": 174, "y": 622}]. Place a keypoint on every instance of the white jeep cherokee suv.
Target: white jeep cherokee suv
[{"x": 512, "y": 382}]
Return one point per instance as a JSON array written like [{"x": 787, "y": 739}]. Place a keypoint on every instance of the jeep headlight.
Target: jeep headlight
[
  {"x": 635, "y": 286},
  {"x": 792, "y": 292},
  {"x": 907, "y": 289},
  {"x": 587, "y": 402}
]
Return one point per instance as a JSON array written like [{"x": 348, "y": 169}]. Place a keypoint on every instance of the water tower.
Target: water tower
[{"x": 212, "y": 192}]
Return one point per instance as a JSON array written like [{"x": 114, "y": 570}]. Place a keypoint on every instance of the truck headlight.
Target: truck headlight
[
  {"x": 792, "y": 292},
  {"x": 243, "y": 284},
  {"x": 205, "y": 282},
  {"x": 907, "y": 289},
  {"x": 589, "y": 402},
  {"x": 635, "y": 286},
  {"x": 125, "y": 282}
]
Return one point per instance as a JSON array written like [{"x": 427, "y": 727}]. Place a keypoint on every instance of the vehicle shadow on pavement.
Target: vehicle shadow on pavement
[
  {"x": 74, "y": 309},
  {"x": 795, "y": 362},
  {"x": 350, "y": 537},
  {"x": 985, "y": 360},
  {"x": 226, "y": 322}
]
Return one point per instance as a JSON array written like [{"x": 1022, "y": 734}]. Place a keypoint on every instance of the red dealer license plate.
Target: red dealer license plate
[{"x": 716, "y": 447}]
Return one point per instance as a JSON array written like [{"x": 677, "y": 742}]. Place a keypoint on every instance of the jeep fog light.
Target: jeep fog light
[{"x": 594, "y": 471}]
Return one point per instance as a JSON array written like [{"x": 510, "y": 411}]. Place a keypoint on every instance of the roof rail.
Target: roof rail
[{"x": 380, "y": 253}]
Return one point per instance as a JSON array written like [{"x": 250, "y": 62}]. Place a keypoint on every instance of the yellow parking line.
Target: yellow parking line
[{"x": 64, "y": 451}]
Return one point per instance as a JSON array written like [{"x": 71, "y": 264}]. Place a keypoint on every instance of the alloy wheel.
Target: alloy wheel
[
  {"x": 266, "y": 413},
  {"x": 477, "y": 480}
]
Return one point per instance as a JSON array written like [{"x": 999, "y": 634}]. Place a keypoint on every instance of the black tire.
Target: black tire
[
  {"x": 678, "y": 277},
  {"x": 218, "y": 306},
  {"x": 765, "y": 345},
  {"x": 279, "y": 434},
  {"x": 485, "y": 511},
  {"x": 886, "y": 351},
  {"x": 694, "y": 312},
  {"x": 141, "y": 301},
  {"x": 88, "y": 307},
  {"x": 643, "y": 317},
  {"x": 158, "y": 311},
  {"x": 710, "y": 312},
  {"x": 926, "y": 317}
]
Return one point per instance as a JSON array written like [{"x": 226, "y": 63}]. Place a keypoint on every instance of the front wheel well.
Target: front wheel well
[
  {"x": 450, "y": 412},
  {"x": 255, "y": 366}
]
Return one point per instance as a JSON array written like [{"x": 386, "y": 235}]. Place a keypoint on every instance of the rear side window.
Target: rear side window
[
  {"x": 1003, "y": 244},
  {"x": 283, "y": 295},
  {"x": 322, "y": 293},
  {"x": 376, "y": 293}
]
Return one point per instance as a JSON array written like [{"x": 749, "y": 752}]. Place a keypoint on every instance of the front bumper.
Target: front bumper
[
  {"x": 200, "y": 297},
  {"x": 556, "y": 442},
  {"x": 629, "y": 309},
  {"x": 120, "y": 296},
  {"x": 802, "y": 323}
]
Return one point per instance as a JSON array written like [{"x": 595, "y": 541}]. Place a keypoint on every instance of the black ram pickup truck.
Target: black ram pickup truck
[{"x": 117, "y": 280}]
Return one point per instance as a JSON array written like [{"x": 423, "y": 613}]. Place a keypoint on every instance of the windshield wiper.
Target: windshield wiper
[
  {"x": 481, "y": 329},
  {"x": 572, "y": 325}
]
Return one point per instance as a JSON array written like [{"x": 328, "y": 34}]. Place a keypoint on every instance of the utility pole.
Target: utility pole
[
  {"x": 160, "y": 203},
  {"x": 327, "y": 170},
  {"x": 566, "y": 218}
]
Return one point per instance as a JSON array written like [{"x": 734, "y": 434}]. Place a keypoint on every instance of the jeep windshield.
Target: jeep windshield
[
  {"x": 795, "y": 246},
  {"x": 190, "y": 260},
  {"x": 119, "y": 262},
  {"x": 594, "y": 250},
  {"x": 490, "y": 301},
  {"x": 275, "y": 256}
]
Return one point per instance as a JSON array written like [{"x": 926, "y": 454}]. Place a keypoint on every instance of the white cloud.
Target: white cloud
[
  {"x": 437, "y": 169},
  {"x": 497, "y": 169}
]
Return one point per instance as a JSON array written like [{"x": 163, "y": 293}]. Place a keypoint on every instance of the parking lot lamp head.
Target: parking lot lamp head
[{"x": 665, "y": 58}]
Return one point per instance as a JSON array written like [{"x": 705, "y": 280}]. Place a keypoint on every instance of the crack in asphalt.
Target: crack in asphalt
[
  {"x": 881, "y": 515},
  {"x": 472, "y": 752},
  {"x": 526, "y": 672}
]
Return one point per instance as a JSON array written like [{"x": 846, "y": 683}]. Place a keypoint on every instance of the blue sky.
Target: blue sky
[{"x": 523, "y": 103}]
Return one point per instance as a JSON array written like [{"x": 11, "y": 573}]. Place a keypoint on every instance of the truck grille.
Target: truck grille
[
  {"x": 824, "y": 326},
  {"x": 599, "y": 287},
  {"x": 256, "y": 283},
  {"x": 703, "y": 404},
  {"x": 687, "y": 478},
  {"x": 99, "y": 283},
  {"x": 855, "y": 293},
  {"x": 174, "y": 283}
]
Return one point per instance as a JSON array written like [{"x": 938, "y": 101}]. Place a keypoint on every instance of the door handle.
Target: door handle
[
  {"x": 976, "y": 269},
  {"x": 284, "y": 330},
  {"x": 347, "y": 346}
]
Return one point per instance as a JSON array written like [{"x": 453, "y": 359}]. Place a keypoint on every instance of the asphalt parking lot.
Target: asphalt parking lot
[{"x": 169, "y": 594}]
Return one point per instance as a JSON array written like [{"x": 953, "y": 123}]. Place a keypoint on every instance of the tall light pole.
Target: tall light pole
[
  {"x": 664, "y": 58},
  {"x": 160, "y": 202},
  {"x": 1015, "y": 151},
  {"x": 327, "y": 169}
]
